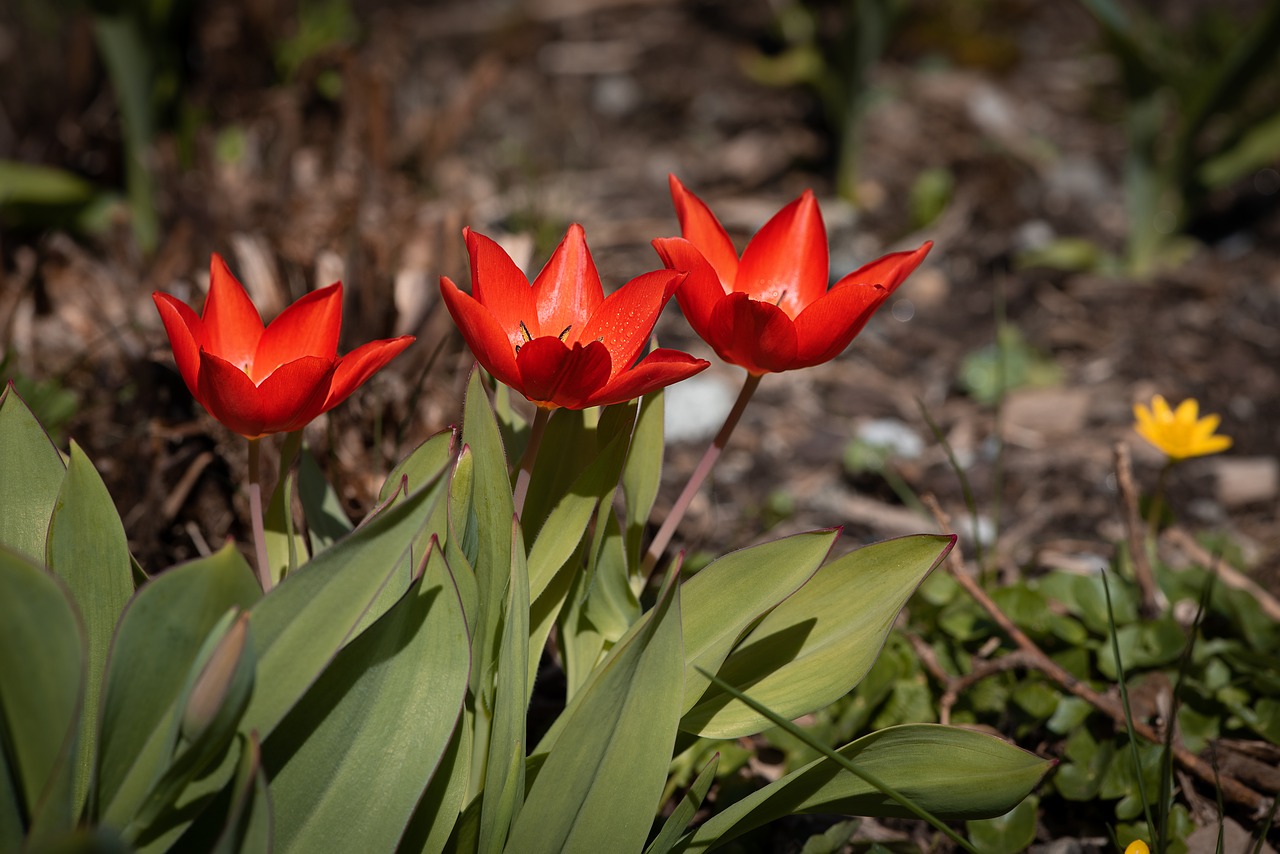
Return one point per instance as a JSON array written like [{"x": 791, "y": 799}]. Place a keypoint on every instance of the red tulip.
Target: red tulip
[
  {"x": 274, "y": 380},
  {"x": 559, "y": 341},
  {"x": 771, "y": 311}
]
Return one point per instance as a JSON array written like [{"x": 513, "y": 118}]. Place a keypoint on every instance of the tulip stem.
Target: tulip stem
[
  {"x": 669, "y": 525},
  {"x": 255, "y": 514},
  {"x": 536, "y": 429}
]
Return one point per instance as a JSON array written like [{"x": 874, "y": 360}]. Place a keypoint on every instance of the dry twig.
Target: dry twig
[
  {"x": 1151, "y": 597},
  {"x": 1226, "y": 573}
]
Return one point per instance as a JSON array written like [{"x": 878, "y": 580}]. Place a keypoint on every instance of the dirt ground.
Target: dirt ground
[{"x": 517, "y": 118}]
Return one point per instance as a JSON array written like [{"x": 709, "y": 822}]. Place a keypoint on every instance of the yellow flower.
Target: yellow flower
[
  {"x": 1137, "y": 846},
  {"x": 1180, "y": 433}
]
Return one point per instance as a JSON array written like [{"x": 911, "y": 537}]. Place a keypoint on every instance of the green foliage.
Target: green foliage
[
  {"x": 987, "y": 375},
  {"x": 377, "y": 698}
]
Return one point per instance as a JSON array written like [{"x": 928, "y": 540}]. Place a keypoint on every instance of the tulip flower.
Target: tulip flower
[
  {"x": 559, "y": 341},
  {"x": 276, "y": 379},
  {"x": 1180, "y": 433},
  {"x": 771, "y": 311}
]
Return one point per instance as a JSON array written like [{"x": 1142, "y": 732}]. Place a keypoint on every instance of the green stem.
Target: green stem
[
  {"x": 1157, "y": 500},
  {"x": 255, "y": 516},
  {"x": 708, "y": 461},
  {"x": 536, "y": 429}
]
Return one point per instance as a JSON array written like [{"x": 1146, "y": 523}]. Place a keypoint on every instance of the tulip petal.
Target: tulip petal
[
  {"x": 498, "y": 285},
  {"x": 568, "y": 290},
  {"x": 827, "y": 326},
  {"x": 486, "y": 338},
  {"x": 186, "y": 331},
  {"x": 360, "y": 364},
  {"x": 701, "y": 228},
  {"x": 889, "y": 271},
  {"x": 786, "y": 262},
  {"x": 554, "y": 373},
  {"x": 660, "y": 368},
  {"x": 292, "y": 395},
  {"x": 232, "y": 325},
  {"x": 624, "y": 321},
  {"x": 701, "y": 289},
  {"x": 754, "y": 335},
  {"x": 309, "y": 327}
]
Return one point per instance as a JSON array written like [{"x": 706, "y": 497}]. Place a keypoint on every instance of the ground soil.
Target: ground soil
[{"x": 517, "y": 118}]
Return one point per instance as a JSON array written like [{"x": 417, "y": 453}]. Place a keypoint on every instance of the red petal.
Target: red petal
[
  {"x": 624, "y": 321},
  {"x": 827, "y": 326},
  {"x": 754, "y": 335},
  {"x": 186, "y": 330},
  {"x": 701, "y": 290},
  {"x": 786, "y": 262},
  {"x": 232, "y": 325},
  {"x": 568, "y": 290},
  {"x": 660, "y": 368},
  {"x": 487, "y": 340},
  {"x": 890, "y": 270},
  {"x": 498, "y": 285},
  {"x": 284, "y": 401},
  {"x": 360, "y": 364},
  {"x": 701, "y": 228},
  {"x": 309, "y": 327},
  {"x": 556, "y": 374}
]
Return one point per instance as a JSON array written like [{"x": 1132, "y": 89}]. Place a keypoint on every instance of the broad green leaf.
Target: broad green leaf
[
  {"x": 42, "y": 666},
  {"x": 327, "y": 521},
  {"x": 599, "y": 788},
  {"x": 286, "y": 547},
  {"x": 248, "y": 827},
  {"x": 426, "y": 463},
  {"x": 33, "y": 471},
  {"x": 952, "y": 773},
  {"x": 349, "y": 762},
  {"x": 731, "y": 593},
  {"x": 820, "y": 642},
  {"x": 459, "y": 551},
  {"x": 601, "y": 607},
  {"x": 301, "y": 625},
  {"x": 157, "y": 643},
  {"x": 673, "y": 828},
  {"x": 33, "y": 184},
  {"x": 642, "y": 473},
  {"x": 570, "y": 518},
  {"x": 88, "y": 550},
  {"x": 438, "y": 808},
  {"x": 1007, "y": 834},
  {"x": 568, "y": 446}
]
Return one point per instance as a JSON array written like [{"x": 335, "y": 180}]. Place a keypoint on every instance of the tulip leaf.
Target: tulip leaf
[
  {"x": 426, "y": 463},
  {"x": 439, "y": 807},
  {"x": 33, "y": 472},
  {"x": 674, "y": 826},
  {"x": 601, "y": 605},
  {"x": 459, "y": 552},
  {"x": 815, "y": 646},
  {"x": 286, "y": 546},
  {"x": 642, "y": 474},
  {"x": 504, "y": 773},
  {"x": 327, "y": 521},
  {"x": 248, "y": 826},
  {"x": 88, "y": 550},
  {"x": 952, "y": 773},
  {"x": 600, "y": 785},
  {"x": 301, "y": 625},
  {"x": 42, "y": 667},
  {"x": 351, "y": 759},
  {"x": 568, "y": 446},
  {"x": 146, "y": 678}
]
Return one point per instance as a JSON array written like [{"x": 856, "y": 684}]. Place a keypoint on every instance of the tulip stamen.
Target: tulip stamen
[
  {"x": 524, "y": 330},
  {"x": 565, "y": 332},
  {"x": 781, "y": 297}
]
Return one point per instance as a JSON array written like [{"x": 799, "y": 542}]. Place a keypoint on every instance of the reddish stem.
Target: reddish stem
[
  {"x": 536, "y": 429},
  {"x": 669, "y": 525},
  {"x": 255, "y": 516}
]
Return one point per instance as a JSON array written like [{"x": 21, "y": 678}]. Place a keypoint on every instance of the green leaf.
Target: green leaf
[
  {"x": 684, "y": 811},
  {"x": 426, "y": 463},
  {"x": 327, "y": 521},
  {"x": 286, "y": 547},
  {"x": 642, "y": 474},
  {"x": 248, "y": 827},
  {"x": 601, "y": 605},
  {"x": 42, "y": 665},
  {"x": 438, "y": 808},
  {"x": 1007, "y": 834},
  {"x": 349, "y": 762},
  {"x": 32, "y": 184},
  {"x": 157, "y": 643},
  {"x": 952, "y": 773},
  {"x": 33, "y": 472},
  {"x": 88, "y": 550},
  {"x": 504, "y": 773},
  {"x": 599, "y": 787},
  {"x": 301, "y": 625},
  {"x": 820, "y": 642}
]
